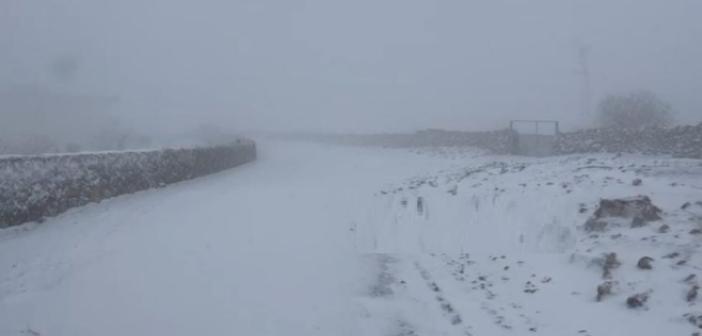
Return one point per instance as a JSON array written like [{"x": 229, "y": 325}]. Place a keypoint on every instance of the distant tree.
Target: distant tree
[{"x": 636, "y": 110}]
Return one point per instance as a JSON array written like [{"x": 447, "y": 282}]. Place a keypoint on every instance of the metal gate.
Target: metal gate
[{"x": 534, "y": 137}]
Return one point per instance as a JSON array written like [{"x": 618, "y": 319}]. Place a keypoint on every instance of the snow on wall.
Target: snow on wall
[
  {"x": 681, "y": 141},
  {"x": 34, "y": 187}
]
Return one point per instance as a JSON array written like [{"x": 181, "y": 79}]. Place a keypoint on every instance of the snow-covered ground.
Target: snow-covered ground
[
  {"x": 498, "y": 248},
  {"x": 322, "y": 240}
]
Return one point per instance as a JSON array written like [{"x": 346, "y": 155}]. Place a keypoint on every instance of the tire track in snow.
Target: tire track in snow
[
  {"x": 448, "y": 310},
  {"x": 381, "y": 305}
]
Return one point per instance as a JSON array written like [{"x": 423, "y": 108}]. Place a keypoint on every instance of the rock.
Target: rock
[
  {"x": 692, "y": 293},
  {"x": 645, "y": 263},
  {"x": 695, "y": 320},
  {"x": 690, "y": 278},
  {"x": 604, "y": 289},
  {"x": 420, "y": 205},
  {"x": 639, "y": 206},
  {"x": 695, "y": 231},
  {"x": 582, "y": 208},
  {"x": 637, "y": 300},
  {"x": 610, "y": 263},
  {"x": 530, "y": 288},
  {"x": 664, "y": 228},
  {"x": 453, "y": 191},
  {"x": 637, "y": 222},
  {"x": 686, "y": 205},
  {"x": 636, "y": 182},
  {"x": 672, "y": 255},
  {"x": 594, "y": 224}
]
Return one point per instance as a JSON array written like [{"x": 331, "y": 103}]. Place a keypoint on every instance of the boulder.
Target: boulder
[
  {"x": 603, "y": 290},
  {"x": 637, "y": 300},
  {"x": 633, "y": 207},
  {"x": 645, "y": 263}
]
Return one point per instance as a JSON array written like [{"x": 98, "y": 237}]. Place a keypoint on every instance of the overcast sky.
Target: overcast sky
[{"x": 352, "y": 65}]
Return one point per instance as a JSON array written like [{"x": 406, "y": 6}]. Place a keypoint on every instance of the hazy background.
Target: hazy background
[{"x": 154, "y": 67}]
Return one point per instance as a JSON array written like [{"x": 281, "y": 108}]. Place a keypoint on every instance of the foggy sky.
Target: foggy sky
[{"x": 352, "y": 65}]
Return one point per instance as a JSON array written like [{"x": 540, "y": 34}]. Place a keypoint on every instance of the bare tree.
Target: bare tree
[{"x": 635, "y": 110}]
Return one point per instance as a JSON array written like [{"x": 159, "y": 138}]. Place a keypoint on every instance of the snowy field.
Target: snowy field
[{"x": 323, "y": 240}]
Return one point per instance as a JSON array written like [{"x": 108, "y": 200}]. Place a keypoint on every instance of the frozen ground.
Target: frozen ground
[{"x": 323, "y": 240}]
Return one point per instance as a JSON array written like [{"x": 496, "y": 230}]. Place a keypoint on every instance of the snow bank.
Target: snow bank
[{"x": 33, "y": 187}]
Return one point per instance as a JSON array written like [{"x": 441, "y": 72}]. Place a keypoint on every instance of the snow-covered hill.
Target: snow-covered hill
[{"x": 324, "y": 240}]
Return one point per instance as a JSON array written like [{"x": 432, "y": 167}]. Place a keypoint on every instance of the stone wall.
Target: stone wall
[
  {"x": 681, "y": 141},
  {"x": 500, "y": 141},
  {"x": 34, "y": 187}
]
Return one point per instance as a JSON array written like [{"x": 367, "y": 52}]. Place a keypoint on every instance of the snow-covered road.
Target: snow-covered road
[
  {"x": 323, "y": 240},
  {"x": 264, "y": 249}
]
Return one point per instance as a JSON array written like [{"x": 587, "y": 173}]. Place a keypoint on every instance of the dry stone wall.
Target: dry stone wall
[
  {"x": 681, "y": 141},
  {"x": 34, "y": 187}
]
